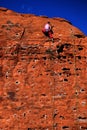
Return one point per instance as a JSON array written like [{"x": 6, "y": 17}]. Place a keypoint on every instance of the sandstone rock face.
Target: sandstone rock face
[{"x": 43, "y": 85}]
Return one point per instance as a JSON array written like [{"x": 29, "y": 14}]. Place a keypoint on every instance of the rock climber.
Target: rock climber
[{"x": 47, "y": 30}]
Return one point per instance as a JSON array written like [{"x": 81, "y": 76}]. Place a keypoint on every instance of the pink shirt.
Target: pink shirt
[{"x": 47, "y": 27}]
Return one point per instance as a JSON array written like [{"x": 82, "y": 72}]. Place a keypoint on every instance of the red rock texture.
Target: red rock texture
[{"x": 43, "y": 85}]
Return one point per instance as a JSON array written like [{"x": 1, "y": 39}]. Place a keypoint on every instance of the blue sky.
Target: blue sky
[{"x": 72, "y": 10}]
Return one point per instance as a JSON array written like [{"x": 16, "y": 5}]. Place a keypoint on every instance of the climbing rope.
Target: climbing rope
[
  {"x": 76, "y": 84},
  {"x": 52, "y": 89}
]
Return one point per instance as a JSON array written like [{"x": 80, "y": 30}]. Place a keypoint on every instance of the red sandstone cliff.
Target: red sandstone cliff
[{"x": 43, "y": 85}]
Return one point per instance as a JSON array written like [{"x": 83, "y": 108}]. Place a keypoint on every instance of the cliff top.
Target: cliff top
[{"x": 29, "y": 26}]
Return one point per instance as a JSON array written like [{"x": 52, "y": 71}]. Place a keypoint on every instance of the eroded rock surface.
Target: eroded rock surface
[{"x": 43, "y": 85}]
